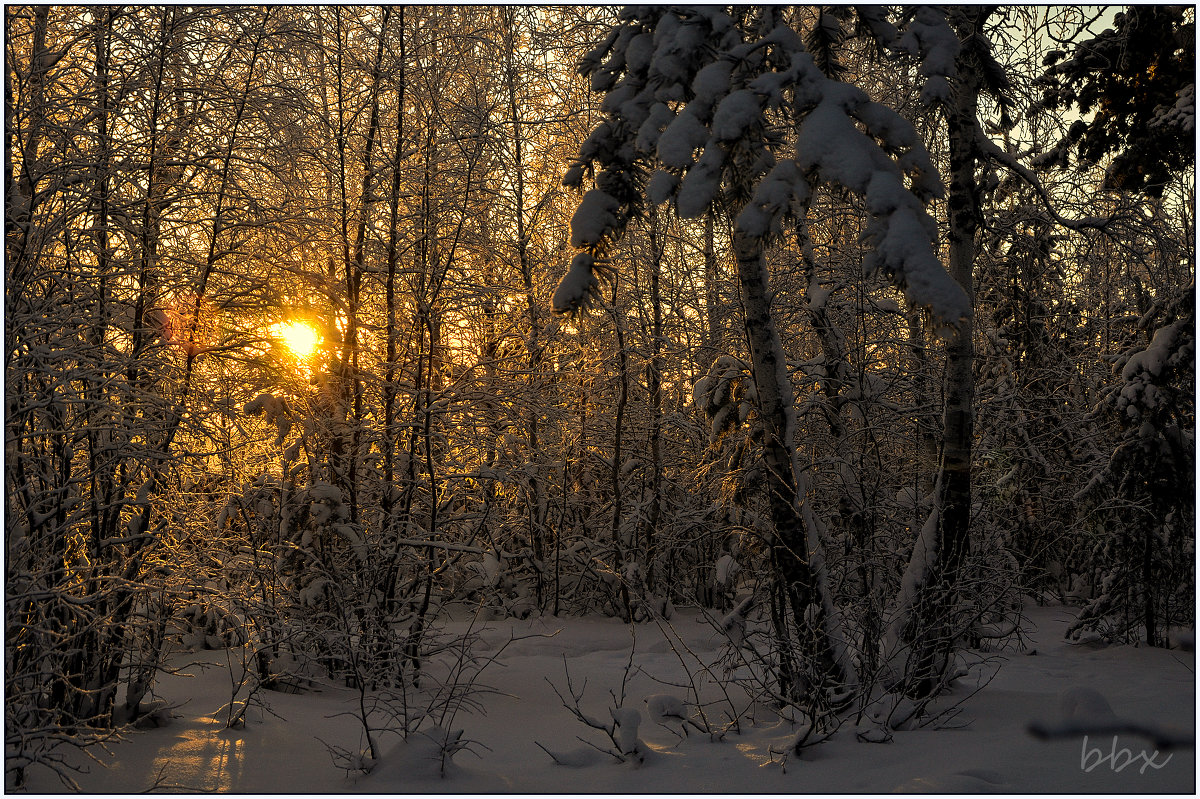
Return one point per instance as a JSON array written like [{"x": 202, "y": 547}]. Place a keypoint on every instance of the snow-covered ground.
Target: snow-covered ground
[{"x": 985, "y": 748}]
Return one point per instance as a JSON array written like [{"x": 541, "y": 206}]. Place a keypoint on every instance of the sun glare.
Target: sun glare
[{"x": 299, "y": 337}]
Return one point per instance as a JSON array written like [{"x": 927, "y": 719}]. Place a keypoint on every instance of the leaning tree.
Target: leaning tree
[{"x": 728, "y": 110}]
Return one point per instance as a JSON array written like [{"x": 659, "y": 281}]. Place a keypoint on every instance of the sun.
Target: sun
[{"x": 299, "y": 337}]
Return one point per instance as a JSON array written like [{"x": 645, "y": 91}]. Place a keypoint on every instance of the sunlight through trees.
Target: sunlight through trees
[{"x": 855, "y": 328}]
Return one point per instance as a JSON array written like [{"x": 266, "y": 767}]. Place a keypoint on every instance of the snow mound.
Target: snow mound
[
  {"x": 1085, "y": 711},
  {"x": 626, "y": 721},
  {"x": 1085, "y": 704},
  {"x": 664, "y": 708},
  {"x": 967, "y": 781},
  {"x": 426, "y": 754},
  {"x": 579, "y": 757}
]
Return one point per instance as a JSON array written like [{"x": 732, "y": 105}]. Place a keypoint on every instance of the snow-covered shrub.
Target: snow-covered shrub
[
  {"x": 1146, "y": 487},
  {"x": 621, "y": 728}
]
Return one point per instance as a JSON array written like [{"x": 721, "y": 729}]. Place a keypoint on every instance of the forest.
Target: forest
[{"x": 356, "y": 351}]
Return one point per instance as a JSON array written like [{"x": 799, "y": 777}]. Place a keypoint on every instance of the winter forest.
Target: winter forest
[{"x": 674, "y": 399}]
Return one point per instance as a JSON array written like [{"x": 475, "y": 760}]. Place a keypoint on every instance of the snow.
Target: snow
[
  {"x": 712, "y": 82},
  {"x": 596, "y": 55},
  {"x": 735, "y": 113},
  {"x": 987, "y": 748},
  {"x": 639, "y": 51},
  {"x": 679, "y": 141},
  {"x": 324, "y": 492},
  {"x": 772, "y": 198},
  {"x": 874, "y": 18},
  {"x": 931, "y": 37},
  {"x": 733, "y": 625},
  {"x": 661, "y": 186},
  {"x": 829, "y": 143},
  {"x": 935, "y": 90},
  {"x": 573, "y": 177},
  {"x": 576, "y": 284},
  {"x": 900, "y": 231},
  {"x": 615, "y": 99},
  {"x": 594, "y": 220},
  {"x": 648, "y": 134},
  {"x": 916, "y": 573},
  {"x": 700, "y": 184},
  {"x": 726, "y": 112},
  {"x": 626, "y": 721},
  {"x": 903, "y": 253},
  {"x": 666, "y": 67},
  {"x": 727, "y": 569},
  {"x": 1152, "y": 359},
  {"x": 665, "y": 708},
  {"x": 1181, "y": 115},
  {"x": 1085, "y": 711},
  {"x": 599, "y": 141},
  {"x": 961, "y": 782},
  {"x": 1170, "y": 346}
]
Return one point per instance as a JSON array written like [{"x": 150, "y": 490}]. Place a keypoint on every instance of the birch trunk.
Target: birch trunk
[
  {"x": 922, "y": 630},
  {"x": 797, "y": 555}
]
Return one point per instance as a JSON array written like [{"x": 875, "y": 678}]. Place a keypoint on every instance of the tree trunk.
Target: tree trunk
[
  {"x": 924, "y": 619},
  {"x": 21, "y": 192},
  {"x": 654, "y": 371},
  {"x": 797, "y": 555},
  {"x": 534, "y": 514},
  {"x": 711, "y": 343},
  {"x": 620, "y": 546},
  {"x": 388, "y": 439}
]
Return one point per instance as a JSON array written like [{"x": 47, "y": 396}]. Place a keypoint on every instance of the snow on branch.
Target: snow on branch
[
  {"x": 1181, "y": 115},
  {"x": 995, "y": 153},
  {"x": 594, "y": 220},
  {"x": 929, "y": 37},
  {"x": 686, "y": 92},
  {"x": 576, "y": 286}
]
